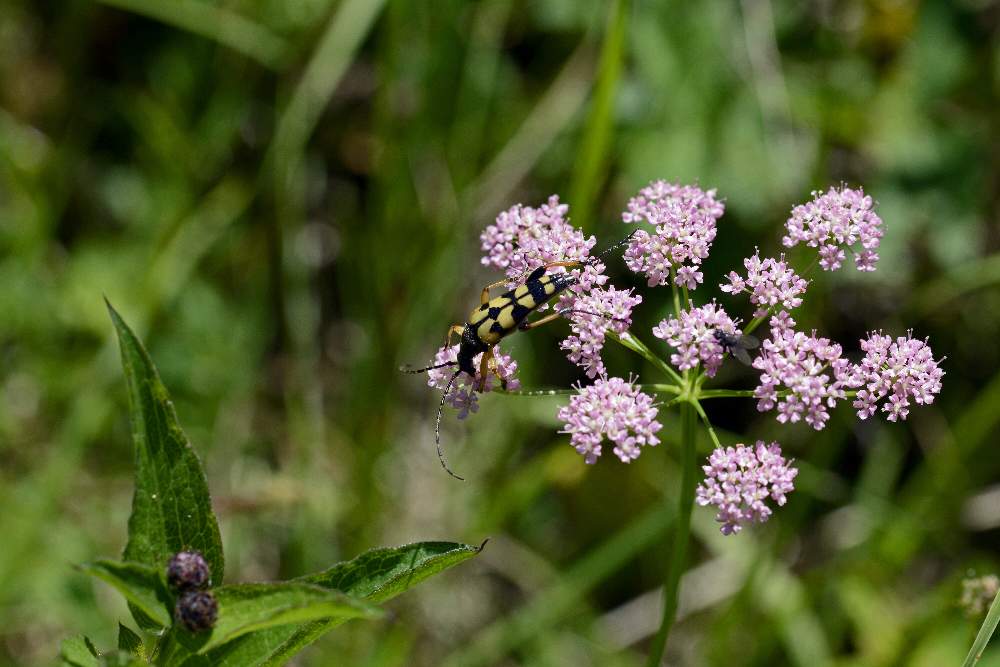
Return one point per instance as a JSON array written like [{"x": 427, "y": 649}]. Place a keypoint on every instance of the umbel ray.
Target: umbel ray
[{"x": 501, "y": 316}]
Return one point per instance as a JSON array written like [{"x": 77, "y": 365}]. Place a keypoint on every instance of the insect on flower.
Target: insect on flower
[
  {"x": 737, "y": 345},
  {"x": 498, "y": 317}
]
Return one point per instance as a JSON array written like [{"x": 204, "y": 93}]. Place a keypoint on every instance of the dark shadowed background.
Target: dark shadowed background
[{"x": 285, "y": 198}]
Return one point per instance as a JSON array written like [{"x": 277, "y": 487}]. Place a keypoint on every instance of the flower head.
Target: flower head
[
  {"x": 693, "y": 337},
  {"x": 978, "y": 594},
  {"x": 601, "y": 309},
  {"x": 770, "y": 282},
  {"x": 613, "y": 408},
  {"x": 463, "y": 395},
  {"x": 188, "y": 570},
  {"x": 833, "y": 221},
  {"x": 809, "y": 369},
  {"x": 898, "y": 371},
  {"x": 524, "y": 238},
  {"x": 197, "y": 610},
  {"x": 683, "y": 220},
  {"x": 739, "y": 480}
]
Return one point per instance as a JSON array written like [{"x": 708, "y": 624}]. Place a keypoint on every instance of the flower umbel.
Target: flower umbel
[
  {"x": 683, "y": 220},
  {"x": 693, "y": 337},
  {"x": 463, "y": 395},
  {"x": 739, "y": 480},
  {"x": 524, "y": 238},
  {"x": 833, "y": 221},
  {"x": 811, "y": 370},
  {"x": 769, "y": 282},
  {"x": 897, "y": 370},
  {"x": 614, "y": 408},
  {"x": 601, "y": 309},
  {"x": 978, "y": 594}
]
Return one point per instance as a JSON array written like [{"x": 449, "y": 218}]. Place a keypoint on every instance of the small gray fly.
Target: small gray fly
[{"x": 737, "y": 345}]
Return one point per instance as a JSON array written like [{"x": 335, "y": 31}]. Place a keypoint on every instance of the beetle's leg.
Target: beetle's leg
[
  {"x": 484, "y": 368},
  {"x": 525, "y": 325},
  {"x": 495, "y": 369},
  {"x": 454, "y": 329},
  {"x": 566, "y": 263},
  {"x": 485, "y": 296}
]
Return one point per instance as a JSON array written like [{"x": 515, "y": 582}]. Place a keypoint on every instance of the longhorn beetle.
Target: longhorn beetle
[{"x": 499, "y": 317}]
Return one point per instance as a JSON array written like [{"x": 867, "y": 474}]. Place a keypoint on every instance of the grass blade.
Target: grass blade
[
  {"x": 216, "y": 23},
  {"x": 985, "y": 633}
]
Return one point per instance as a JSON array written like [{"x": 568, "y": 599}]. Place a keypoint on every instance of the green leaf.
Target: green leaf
[
  {"x": 121, "y": 659},
  {"x": 130, "y": 642},
  {"x": 244, "y": 608},
  {"x": 382, "y": 574},
  {"x": 78, "y": 651},
  {"x": 376, "y": 576},
  {"x": 141, "y": 585},
  {"x": 171, "y": 508}
]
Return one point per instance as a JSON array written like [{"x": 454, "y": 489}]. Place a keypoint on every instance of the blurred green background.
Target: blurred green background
[{"x": 285, "y": 198}]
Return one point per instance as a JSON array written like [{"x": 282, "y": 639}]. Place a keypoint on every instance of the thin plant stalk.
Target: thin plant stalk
[
  {"x": 985, "y": 632},
  {"x": 681, "y": 536},
  {"x": 629, "y": 341}
]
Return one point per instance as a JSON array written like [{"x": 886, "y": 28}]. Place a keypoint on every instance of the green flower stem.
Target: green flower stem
[
  {"x": 661, "y": 388},
  {"x": 704, "y": 418},
  {"x": 727, "y": 393},
  {"x": 629, "y": 341},
  {"x": 653, "y": 388},
  {"x": 985, "y": 632},
  {"x": 536, "y": 392},
  {"x": 677, "y": 298},
  {"x": 755, "y": 322},
  {"x": 682, "y": 535}
]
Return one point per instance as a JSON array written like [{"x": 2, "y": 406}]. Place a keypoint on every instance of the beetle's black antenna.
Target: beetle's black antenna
[
  {"x": 407, "y": 369},
  {"x": 615, "y": 246},
  {"x": 437, "y": 427}
]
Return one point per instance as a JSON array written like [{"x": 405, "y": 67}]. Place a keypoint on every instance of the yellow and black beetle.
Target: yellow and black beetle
[{"x": 499, "y": 317}]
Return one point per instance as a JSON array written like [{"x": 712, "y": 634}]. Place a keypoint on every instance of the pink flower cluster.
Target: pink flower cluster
[
  {"x": 683, "y": 218},
  {"x": 463, "y": 395},
  {"x": 614, "y": 408},
  {"x": 599, "y": 310},
  {"x": 809, "y": 372},
  {"x": 524, "y": 238},
  {"x": 836, "y": 220},
  {"x": 770, "y": 282},
  {"x": 739, "y": 480},
  {"x": 896, "y": 370},
  {"x": 693, "y": 337}
]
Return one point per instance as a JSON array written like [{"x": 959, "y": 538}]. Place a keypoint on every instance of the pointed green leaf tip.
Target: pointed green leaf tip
[
  {"x": 78, "y": 651},
  {"x": 130, "y": 642},
  {"x": 171, "y": 508}
]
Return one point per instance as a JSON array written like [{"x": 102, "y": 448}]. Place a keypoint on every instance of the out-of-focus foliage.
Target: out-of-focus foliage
[{"x": 285, "y": 199}]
